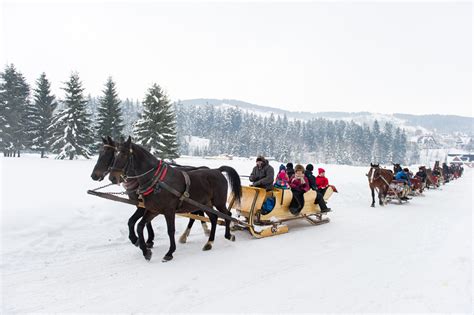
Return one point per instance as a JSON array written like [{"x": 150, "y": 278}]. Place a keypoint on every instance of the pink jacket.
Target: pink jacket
[{"x": 295, "y": 183}]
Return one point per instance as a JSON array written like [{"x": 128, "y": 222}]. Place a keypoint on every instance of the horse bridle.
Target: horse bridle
[
  {"x": 127, "y": 166},
  {"x": 378, "y": 177},
  {"x": 113, "y": 157}
]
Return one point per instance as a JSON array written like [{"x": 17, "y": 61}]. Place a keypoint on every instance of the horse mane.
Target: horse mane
[{"x": 142, "y": 150}]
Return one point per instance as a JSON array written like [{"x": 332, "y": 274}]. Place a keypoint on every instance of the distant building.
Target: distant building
[
  {"x": 428, "y": 142},
  {"x": 465, "y": 143},
  {"x": 460, "y": 157}
]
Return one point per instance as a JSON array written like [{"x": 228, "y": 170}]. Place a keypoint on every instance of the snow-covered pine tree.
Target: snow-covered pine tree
[
  {"x": 14, "y": 100},
  {"x": 377, "y": 144},
  {"x": 131, "y": 113},
  {"x": 403, "y": 146},
  {"x": 156, "y": 129},
  {"x": 109, "y": 116},
  {"x": 387, "y": 143},
  {"x": 72, "y": 127},
  {"x": 41, "y": 115}
]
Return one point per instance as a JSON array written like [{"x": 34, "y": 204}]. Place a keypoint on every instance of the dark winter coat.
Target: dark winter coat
[
  {"x": 422, "y": 175},
  {"x": 311, "y": 179},
  {"x": 402, "y": 176},
  {"x": 290, "y": 171},
  {"x": 263, "y": 176}
]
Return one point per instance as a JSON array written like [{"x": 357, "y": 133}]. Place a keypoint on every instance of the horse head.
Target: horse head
[
  {"x": 396, "y": 167},
  {"x": 121, "y": 161},
  {"x": 105, "y": 160}
]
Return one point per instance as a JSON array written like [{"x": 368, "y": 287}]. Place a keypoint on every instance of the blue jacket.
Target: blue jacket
[{"x": 402, "y": 176}]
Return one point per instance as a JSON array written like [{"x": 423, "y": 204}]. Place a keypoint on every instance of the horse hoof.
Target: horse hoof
[
  {"x": 137, "y": 243},
  {"x": 373, "y": 206},
  {"x": 148, "y": 254},
  {"x": 231, "y": 238},
  {"x": 208, "y": 246},
  {"x": 183, "y": 239},
  {"x": 167, "y": 258},
  {"x": 149, "y": 244}
]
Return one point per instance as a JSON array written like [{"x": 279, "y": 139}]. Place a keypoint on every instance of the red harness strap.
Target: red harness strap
[{"x": 152, "y": 188}]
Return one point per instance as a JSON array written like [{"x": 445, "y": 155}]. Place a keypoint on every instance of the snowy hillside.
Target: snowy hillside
[
  {"x": 411, "y": 123},
  {"x": 64, "y": 251}
]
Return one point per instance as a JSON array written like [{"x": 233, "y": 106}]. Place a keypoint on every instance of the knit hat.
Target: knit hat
[
  {"x": 299, "y": 167},
  {"x": 310, "y": 167},
  {"x": 289, "y": 165},
  {"x": 282, "y": 167},
  {"x": 406, "y": 169},
  {"x": 260, "y": 158},
  {"x": 321, "y": 170}
]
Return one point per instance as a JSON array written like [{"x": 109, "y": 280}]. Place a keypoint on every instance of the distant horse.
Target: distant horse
[
  {"x": 396, "y": 168},
  {"x": 102, "y": 168},
  {"x": 431, "y": 179},
  {"x": 160, "y": 183},
  {"x": 438, "y": 172},
  {"x": 417, "y": 184},
  {"x": 379, "y": 179}
]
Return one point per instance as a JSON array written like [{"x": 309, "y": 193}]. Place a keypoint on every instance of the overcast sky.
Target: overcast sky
[{"x": 314, "y": 56}]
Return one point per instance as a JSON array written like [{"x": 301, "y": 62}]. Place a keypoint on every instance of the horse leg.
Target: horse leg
[
  {"x": 213, "y": 219},
  {"x": 131, "y": 225},
  {"x": 206, "y": 230},
  {"x": 227, "y": 234},
  {"x": 373, "y": 197},
  {"x": 170, "y": 218},
  {"x": 185, "y": 235},
  {"x": 151, "y": 235},
  {"x": 381, "y": 198},
  {"x": 147, "y": 217}
]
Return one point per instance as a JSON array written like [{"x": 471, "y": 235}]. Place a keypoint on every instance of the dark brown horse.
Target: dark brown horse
[
  {"x": 431, "y": 179},
  {"x": 379, "y": 179},
  {"x": 158, "y": 182},
  {"x": 396, "y": 168},
  {"x": 102, "y": 168}
]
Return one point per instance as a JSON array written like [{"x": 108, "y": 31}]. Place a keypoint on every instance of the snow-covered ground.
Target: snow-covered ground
[{"x": 66, "y": 251}]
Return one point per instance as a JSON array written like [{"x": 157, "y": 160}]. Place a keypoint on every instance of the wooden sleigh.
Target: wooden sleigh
[
  {"x": 263, "y": 225},
  {"x": 398, "y": 191}
]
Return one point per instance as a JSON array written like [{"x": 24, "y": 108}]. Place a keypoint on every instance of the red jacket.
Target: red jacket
[
  {"x": 321, "y": 182},
  {"x": 295, "y": 183}
]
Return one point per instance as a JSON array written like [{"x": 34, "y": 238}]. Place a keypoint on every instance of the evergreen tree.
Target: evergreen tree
[
  {"x": 14, "y": 101},
  {"x": 397, "y": 158},
  {"x": 387, "y": 143},
  {"x": 72, "y": 127},
  {"x": 41, "y": 115},
  {"x": 110, "y": 122},
  {"x": 377, "y": 144},
  {"x": 403, "y": 146},
  {"x": 156, "y": 129}
]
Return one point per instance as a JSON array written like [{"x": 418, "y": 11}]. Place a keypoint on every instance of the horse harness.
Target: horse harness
[{"x": 157, "y": 182}]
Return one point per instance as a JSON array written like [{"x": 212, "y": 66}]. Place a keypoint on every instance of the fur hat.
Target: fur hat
[
  {"x": 310, "y": 167},
  {"x": 299, "y": 167},
  {"x": 289, "y": 165},
  {"x": 321, "y": 170},
  {"x": 260, "y": 158},
  {"x": 406, "y": 169}
]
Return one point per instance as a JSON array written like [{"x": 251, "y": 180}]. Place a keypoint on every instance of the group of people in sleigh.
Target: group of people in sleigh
[{"x": 298, "y": 179}]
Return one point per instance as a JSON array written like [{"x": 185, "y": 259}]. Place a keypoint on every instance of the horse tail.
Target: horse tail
[{"x": 234, "y": 180}]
